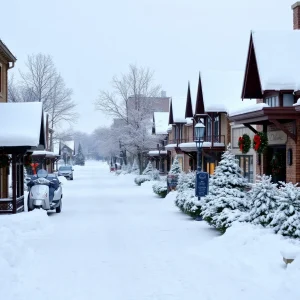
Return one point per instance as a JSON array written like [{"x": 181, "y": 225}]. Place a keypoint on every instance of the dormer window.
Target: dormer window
[
  {"x": 272, "y": 101},
  {"x": 288, "y": 99}
]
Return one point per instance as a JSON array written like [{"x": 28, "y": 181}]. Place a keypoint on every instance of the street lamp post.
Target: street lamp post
[
  {"x": 199, "y": 139},
  {"x": 201, "y": 185}
]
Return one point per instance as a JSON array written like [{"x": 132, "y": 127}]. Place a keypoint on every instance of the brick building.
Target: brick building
[{"x": 272, "y": 77}]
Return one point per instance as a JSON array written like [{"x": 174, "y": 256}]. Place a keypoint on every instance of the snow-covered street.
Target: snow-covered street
[{"x": 117, "y": 241}]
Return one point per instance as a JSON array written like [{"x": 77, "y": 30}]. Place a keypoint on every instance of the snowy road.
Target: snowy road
[
  {"x": 117, "y": 241},
  {"x": 114, "y": 240}
]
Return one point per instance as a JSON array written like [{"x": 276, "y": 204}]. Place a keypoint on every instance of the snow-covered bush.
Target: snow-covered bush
[
  {"x": 160, "y": 188},
  {"x": 141, "y": 178},
  {"x": 226, "y": 200},
  {"x": 152, "y": 172},
  {"x": 173, "y": 174},
  {"x": 185, "y": 199},
  {"x": 262, "y": 200},
  {"x": 286, "y": 217}
]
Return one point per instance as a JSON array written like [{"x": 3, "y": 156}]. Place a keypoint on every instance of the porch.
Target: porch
[{"x": 15, "y": 142}]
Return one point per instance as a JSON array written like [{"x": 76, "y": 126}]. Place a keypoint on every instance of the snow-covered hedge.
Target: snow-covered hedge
[
  {"x": 141, "y": 178},
  {"x": 148, "y": 174},
  {"x": 160, "y": 188},
  {"x": 185, "y": 199}
]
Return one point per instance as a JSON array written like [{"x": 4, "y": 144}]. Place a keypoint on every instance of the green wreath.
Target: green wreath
[
  {"x": 260, "y": 142},
  {"x": 4, "y": 161},
  {"x": 244, "y": 143},
  {"x": 27, "y": 160}
]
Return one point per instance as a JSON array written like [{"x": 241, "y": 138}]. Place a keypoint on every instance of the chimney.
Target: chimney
[
  {"x": 296, "y": 15},
  {"x": 164, "y": 93}
]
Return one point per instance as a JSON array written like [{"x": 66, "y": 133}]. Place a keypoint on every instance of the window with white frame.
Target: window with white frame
[{"x": 272, "y": 101}]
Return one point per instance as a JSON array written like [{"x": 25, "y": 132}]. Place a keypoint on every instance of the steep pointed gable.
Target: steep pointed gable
[
  {"x": 171, "y": 120},
  {"x": 252, "y": 85},
  {"x": 199, "y": 101},
  {"x": 189, "y": 106}
]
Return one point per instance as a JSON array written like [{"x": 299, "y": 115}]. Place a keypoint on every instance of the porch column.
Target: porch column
[{"x": 14, "y": 183}]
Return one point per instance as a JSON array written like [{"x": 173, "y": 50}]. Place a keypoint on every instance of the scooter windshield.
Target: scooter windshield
[{"x": 42, "y": 173}]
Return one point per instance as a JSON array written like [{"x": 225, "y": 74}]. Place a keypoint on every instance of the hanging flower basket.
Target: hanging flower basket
[
  {"x": 244, "y": 143},
  {"x": 5, "y": 161},
  {"x": 260, "y": 142},
  {"x": 27, "y": 160}
]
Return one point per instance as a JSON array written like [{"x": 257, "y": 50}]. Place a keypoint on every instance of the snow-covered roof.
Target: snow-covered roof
[
  {"x": 161, "y": 120},
  {"x": 249, "y": 108},
  {"x": 46, "y": 153},
  {"x": 156, "y": 152},
  {"x": 277, "y": 56},
  {"x": 69, "y": 144},
  {"x": 222, "y": 90},
  {"x": 178, "y": 105},
  {"x": 20, "y": 124},
  {"x": 191, "y": 146},
  {"x": 189, "y": 121}
]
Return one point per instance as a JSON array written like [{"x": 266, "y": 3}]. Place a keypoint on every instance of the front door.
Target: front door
[{"x": 276, "y": 163}]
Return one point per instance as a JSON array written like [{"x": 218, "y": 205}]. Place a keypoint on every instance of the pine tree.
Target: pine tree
[
  {"x": 135, "y": 167},
  {"x": 152, "y": 172},
  {"x": 149, "y": 169},
  {"x": 186, "y": 192},
  {"x": 175, "y": 168},
  {"x": 80, "y": 159},
  {"x": 226, "y": 199},
  {"x": 286, "y": 217},
  {"x": 263, "y": 201}
]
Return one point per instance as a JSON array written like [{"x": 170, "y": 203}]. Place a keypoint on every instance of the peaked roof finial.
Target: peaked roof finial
[
  {"x": 199, "y": 101},
  {"x": 189, "y": 106}
]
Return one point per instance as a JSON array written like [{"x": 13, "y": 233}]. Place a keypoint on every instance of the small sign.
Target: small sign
[
  {"x": 202, "y": 184},
  {"x": 172, "y": 181},
  {"x": 277, "y": 137}
]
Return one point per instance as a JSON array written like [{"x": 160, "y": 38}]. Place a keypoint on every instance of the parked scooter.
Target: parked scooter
[{"x": 45, "y": 192}]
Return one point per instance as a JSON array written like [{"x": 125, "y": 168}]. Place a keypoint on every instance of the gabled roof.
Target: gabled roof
[
  {"x": 161, "y": 122},
  {"x": 272, "y": 63},
  {"x": 22, "y": 125},
  {"x": 6, "y": 52},
  {"x": 69, "y": 144},
  {"x": 220, "y": 90},
  {"x": 177, "y": 110}
]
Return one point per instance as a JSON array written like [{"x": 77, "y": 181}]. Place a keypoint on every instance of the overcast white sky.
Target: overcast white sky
[{"x": 92, "y": 40}]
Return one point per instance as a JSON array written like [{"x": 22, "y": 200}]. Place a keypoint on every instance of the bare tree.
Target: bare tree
[
  {"x": 40, "y": 76},
  {"x": 132, "y": 102},
  {"x": 41, "y": 82}
]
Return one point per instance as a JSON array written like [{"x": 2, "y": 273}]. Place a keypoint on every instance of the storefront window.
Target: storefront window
[{"x": 246, "y": 164}]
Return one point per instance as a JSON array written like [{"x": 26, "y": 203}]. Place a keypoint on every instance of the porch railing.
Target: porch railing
[{"x": 7, "y": 205}]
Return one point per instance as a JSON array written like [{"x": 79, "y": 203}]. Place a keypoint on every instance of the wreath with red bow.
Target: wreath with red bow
[
  {"x": 244, "y": 143},
  {"x": 260, "y": 142}
]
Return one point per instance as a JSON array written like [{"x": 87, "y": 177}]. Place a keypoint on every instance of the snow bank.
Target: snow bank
[
  {"x": 15, "y": 253},
  {"x": 253, "y": 255}
]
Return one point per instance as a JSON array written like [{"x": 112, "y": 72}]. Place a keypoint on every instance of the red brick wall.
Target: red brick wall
[{"x": 296, "y": 15}]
